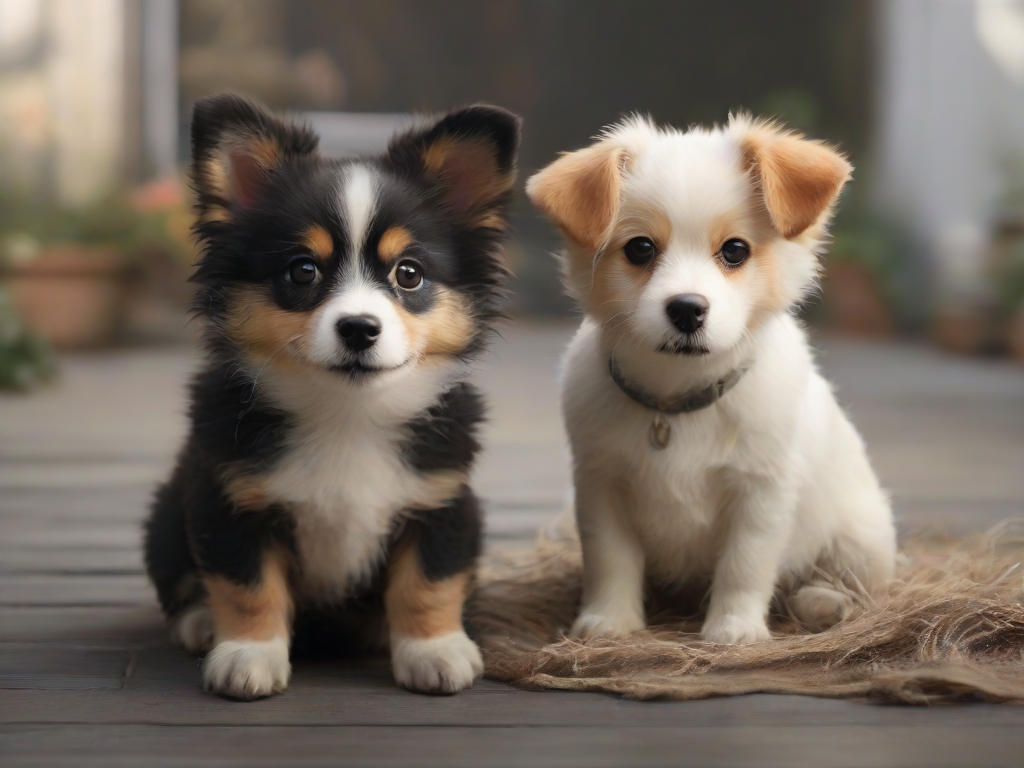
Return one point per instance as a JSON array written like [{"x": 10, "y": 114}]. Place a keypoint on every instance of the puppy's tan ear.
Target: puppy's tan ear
[
  {"x": 800, "y": 179},
  {"x": 237, "y": 146},
  {"x": 580, "y": 192}
]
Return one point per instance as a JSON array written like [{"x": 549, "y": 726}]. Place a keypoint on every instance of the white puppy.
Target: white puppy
[{"x": 706, "y": 445}]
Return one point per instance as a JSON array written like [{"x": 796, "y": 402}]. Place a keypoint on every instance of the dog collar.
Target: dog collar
[{"x": 688, "y": 402}]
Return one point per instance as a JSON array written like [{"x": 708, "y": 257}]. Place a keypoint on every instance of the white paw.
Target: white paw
[
  {"x": 247, "y": 669},
  {"x": 818, "y": 607},
  {"x": 193, "y": 629},
  {"x": 732, "y": 629},
  {"x": 444, "y": 664},
  {"x": 592, "y": 624}
]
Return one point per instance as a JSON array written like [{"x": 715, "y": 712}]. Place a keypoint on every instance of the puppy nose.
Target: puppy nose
[
  {"x": 359, "y": 332},
  {"x": 687, "y": 312}
]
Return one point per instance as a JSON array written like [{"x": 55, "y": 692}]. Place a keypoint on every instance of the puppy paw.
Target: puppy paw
[
  {"x": 817, "y": 607},
  {"x": 591, "y": 624},
  {"x": 193, "y": 629},
  {"x": 733, "y": 629},
  {"x": 444, "y": 664},
  {"x": 247, "y": 669}
]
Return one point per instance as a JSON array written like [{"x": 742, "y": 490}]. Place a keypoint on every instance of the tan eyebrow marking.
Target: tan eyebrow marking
[
  {"x": 393, "y": 242},
  {"x": 319, "y": 242}
]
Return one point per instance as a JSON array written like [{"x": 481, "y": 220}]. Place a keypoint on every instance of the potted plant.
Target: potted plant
[
  {"x": 25, "y": 357},
  {"x": 863, "y": 285},
  {"x": 1008, "y": 255},
  {"x": 67, "y": 269}
]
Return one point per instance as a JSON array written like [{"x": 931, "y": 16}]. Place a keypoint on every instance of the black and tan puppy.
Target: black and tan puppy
[{"x": 332, "y": 428}]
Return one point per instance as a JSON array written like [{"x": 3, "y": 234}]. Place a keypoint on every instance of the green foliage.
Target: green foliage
[
  {"x": 27, "y": 226},
  {"x": 108, "y": 222},
  {"x": 1011, "y": 278},
  {"x": 884, "y": 248},
  {"x": 1008, "y": 246},
  {"x": 871, "y": 241},
  {"x": 25, "y": 358},
  {"x": 796, "y": 107}
]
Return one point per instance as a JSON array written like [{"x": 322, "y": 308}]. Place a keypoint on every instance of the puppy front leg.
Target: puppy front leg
[
  {"x": 613, "y": 562},
  {"x": 747, "y": 568},
  {"x": 430, "y": 651},
  {"x": 252, "y": 630},
  {"x": 427, "y": 581}
]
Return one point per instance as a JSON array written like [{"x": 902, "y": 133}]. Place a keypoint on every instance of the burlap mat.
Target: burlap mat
[{"x": 951, "y": 628}]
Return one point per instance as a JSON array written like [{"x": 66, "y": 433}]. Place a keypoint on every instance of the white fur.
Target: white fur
[
  {"x": 753, "y": 491},
  {"x": 358, "y": 297},
  {"x": 193, "y": 628},
  {"x": 247, "y": 669},
  {"x": 357, "y": 205},
  {"x": 343, "y": 475},
  {"x": 442, "y": 664}
]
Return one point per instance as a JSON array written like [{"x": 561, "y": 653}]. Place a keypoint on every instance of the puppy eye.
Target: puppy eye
[
  {"x": 735, "y": 252},
  {"x": 408, "y": 274},
  {"x": 302, "y": 270},
  {"x": 640, "y": 250}
]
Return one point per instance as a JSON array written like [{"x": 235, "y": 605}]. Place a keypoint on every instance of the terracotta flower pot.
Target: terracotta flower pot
[
  {"x": 1015, "y": 334},
  {"x": 968, "y": 330},
  {"x": 854, "y": 303},
  {"x": 70, "y": 294}
]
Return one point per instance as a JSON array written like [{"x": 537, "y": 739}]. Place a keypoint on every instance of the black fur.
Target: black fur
[
  {"x": 249, "y": 240},
  {"x": 448, "y": 539},
  {"x": 445, "y": 436}
]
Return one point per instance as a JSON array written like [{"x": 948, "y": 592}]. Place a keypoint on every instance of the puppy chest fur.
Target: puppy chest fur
[
  {"x": 679, "y": 497},
  {"x": 345, "y": 478}
]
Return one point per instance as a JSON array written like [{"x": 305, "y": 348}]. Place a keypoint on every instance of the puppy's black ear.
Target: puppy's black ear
[
  {"x": 237, "y": 146},
  {"x": 469, "y": 155}
]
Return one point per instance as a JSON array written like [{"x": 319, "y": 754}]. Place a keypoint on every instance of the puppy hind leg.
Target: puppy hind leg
[
  {"x": 252, "y": 627},
  {"x": 820, "y": 605},
  {"x": 852, "y": 575},
  {"x": 192, "y": 629},
  {"x": 190, "y": 622}
]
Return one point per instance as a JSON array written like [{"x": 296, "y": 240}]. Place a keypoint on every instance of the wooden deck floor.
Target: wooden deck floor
[{"x": 87, "y": 678}]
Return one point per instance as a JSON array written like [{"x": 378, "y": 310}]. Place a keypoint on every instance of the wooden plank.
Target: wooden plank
[
  {"x": 164, "y": 689},
  {"x": 125, "y": 504},
  {"x": 29, "y": 534},
  {"x": 73, "y": 559},
  {"x": 62, "y": 475},
  {"x": 118, "y": 623},
  {"x": 133, "y": 408},
  {"x": 49, "y": 667},
  {"x": 592, "y": 747},
  {"x": 956, "y": 516},
  {"x": 51, "y": 590}
]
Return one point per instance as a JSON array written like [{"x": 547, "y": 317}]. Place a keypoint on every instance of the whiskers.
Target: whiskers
[{"x": 273, "y": 356}]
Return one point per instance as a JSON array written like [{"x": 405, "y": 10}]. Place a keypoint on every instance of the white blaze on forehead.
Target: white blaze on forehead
[
  {"x": 693, "y": 179},
  {"x": 357, "y": 207}
]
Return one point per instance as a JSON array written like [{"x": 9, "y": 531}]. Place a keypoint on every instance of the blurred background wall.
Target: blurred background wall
[{"x": 926, "y": 97}]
